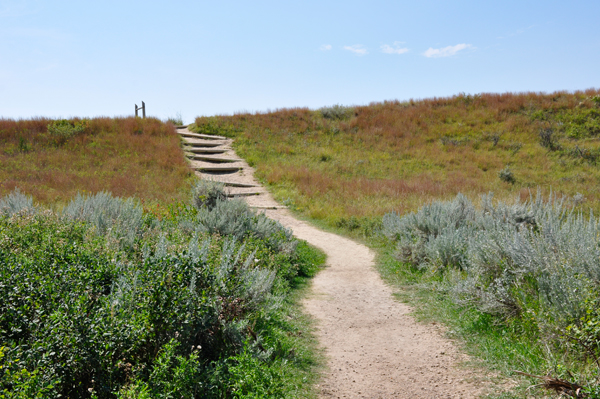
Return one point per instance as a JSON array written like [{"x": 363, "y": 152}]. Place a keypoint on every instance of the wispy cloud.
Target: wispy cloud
[
  {"x": 325, "y": 47},
  {"x": 517, "y": 32},
  {"x": 395, "y": 49},
  {"x": 357, "y": 49},
  {"x": 446, "y": 51}
]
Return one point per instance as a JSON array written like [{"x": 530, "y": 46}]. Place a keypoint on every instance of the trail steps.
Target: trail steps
[
  {"x": 213, "y": 158},
  {"x": 374, "y": 347}
]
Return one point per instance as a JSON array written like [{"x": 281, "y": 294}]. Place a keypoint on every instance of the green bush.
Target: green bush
[
  {"x": 83, "y": 316},
  {"x": 62, "y": 130},
  {"x": 206, "y": 194},
  {"x": 337, "y": 112},
  {"x": 507, "y": 175},
  {"x": 214, "y": 125},
  {"x": 533, "y": 262},
  {"x": 582, "y": 123}
]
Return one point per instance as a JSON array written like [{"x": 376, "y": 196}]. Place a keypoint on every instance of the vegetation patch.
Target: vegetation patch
[
  {"x": 364, "y": 161},
  {"x": 526, "y": 274},
  {"x": 106, "y": 299},
  {"x": 515, "y": 277},
  {"x": 53, "y": 160}
]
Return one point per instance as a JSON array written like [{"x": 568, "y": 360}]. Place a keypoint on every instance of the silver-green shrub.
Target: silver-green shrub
[
  {"x": 337, "y": 112},
  {"x": 234, "y": 218},
  {"x": 206, "y": 193},
  {"x": 15, "y": 203},
  {"x": 121, "y": 218},
  {"x": 535, "y": 256}
]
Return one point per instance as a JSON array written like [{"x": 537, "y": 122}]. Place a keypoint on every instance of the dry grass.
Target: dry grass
[
  {"x": 126, "y": 156},
  {"x": 398, "y": 155}
]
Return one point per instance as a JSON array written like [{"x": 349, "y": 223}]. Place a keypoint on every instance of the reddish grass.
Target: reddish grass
[
  {"x": 397, "y": 155},
  {"x": 126, "y": 156}
]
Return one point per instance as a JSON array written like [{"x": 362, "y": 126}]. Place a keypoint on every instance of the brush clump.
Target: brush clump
[{"x": 106, "y": 298}]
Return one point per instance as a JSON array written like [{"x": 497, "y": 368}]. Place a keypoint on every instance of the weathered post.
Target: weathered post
[{"x": 143, "y": 108}]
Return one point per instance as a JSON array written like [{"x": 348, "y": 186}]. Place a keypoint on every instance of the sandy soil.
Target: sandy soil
[{"x": 374, "y": 347}]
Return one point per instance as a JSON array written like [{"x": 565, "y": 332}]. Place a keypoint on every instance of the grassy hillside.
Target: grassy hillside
[
  {"x": 516, "y": 280},
  {"x": 157, "y": 296},
  {"x": 52, "y": 160},
  {"x": 347, "y": 165}
]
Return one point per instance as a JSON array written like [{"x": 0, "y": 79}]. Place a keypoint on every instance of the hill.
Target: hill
[
  {"x": 349, "y": 165},
  {"x": 53, "y": 160}
]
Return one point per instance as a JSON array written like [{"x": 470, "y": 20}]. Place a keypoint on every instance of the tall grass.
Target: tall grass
[
  {"x": 361, "y": 162},
  {"x": 52, "y": 160}
]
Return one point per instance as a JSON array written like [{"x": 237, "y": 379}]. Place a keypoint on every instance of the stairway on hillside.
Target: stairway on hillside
[{"x": 213, "y": 158}]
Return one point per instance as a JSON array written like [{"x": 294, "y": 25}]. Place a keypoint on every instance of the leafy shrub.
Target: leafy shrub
[
  {"x": 507, "y": 175},
  {"x": 82, "y": 317},
  {"x": 62, "y": 130},
  {"x": 337, "y": 112},
  {"x": 586, "y": 331},
  {"x": 589, "y": 155},
  {"x": 582, "y": 122},
  {"x": 173, "y": 376},
  {"x": 548, "y": 139},
  {"x": 214, "y": 125},
  {"x": 207, "y": 193}
]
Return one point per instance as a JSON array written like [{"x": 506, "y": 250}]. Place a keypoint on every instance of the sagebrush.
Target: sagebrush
[
  {"x": 105, "y": 299},
  {"x": 537, "y": 261}
]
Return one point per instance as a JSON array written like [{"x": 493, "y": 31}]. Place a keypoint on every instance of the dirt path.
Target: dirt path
[{"x": 374, "y": 347}]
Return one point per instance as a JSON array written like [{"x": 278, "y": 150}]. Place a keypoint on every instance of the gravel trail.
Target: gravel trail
[{"x": 374, "y": 347}]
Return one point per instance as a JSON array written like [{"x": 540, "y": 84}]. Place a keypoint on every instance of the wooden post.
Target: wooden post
[{"x": 143, "y": 108}]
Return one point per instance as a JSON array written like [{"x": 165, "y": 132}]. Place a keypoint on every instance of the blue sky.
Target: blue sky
[{"x": 84, "y": 58}]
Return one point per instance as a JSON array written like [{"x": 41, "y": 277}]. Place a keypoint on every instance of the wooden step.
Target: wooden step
[
  {"x": 205, "y": 167},
  {"x": 208, "y": 158},
  {"x": 268, "y": 207},
  {"x": 187, "y": 133},
  {"x": 203, "y": 144},
  {"x": 235, "y": 184},
  {"x": 244, "y": 194},
  {"x": 205, "y": 150},
  {"x": 229, "y": 179}
]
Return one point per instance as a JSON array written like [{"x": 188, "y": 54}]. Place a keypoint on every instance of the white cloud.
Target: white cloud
[
  {"x": 357, "y": 49},
  {"x": 396, "y": 49},
  {"x": 446, "y": 51},
  {"x": 325, "y": 47}
]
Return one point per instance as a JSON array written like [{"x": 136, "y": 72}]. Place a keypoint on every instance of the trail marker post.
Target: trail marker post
[{"x": 143, "y": 108}]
